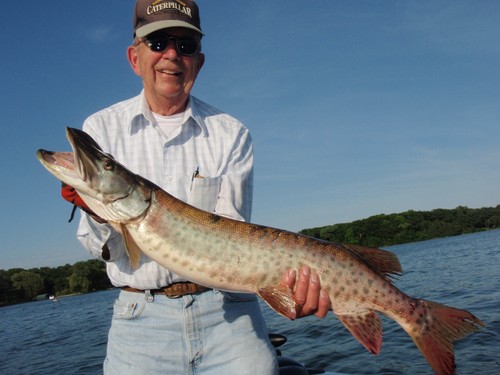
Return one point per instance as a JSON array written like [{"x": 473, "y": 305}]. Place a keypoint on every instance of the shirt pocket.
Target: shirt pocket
[{"x": 204, "y": 193}]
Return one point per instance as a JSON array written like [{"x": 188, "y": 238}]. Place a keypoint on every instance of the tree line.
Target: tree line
[
  {"x": 410, "y": 226},
  {"x": 21, "y": 285}
]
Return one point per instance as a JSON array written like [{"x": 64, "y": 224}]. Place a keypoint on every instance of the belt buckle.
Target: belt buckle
[{"x": 178, "y": 290}]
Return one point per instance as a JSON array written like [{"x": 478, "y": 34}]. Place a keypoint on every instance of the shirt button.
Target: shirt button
[{"x": 169, "y": 179}]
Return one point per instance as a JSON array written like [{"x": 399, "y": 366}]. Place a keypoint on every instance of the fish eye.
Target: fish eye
[{"x": 108, "y": 165}]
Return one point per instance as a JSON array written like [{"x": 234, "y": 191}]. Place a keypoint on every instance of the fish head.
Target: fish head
[{"x": 106, "y": 186}]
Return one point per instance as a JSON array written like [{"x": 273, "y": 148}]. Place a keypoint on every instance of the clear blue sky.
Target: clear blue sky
[{"x": 356, "y": 107}]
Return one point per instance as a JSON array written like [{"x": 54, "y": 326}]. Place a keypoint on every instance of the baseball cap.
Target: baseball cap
[{"x": 154, "y": 15}]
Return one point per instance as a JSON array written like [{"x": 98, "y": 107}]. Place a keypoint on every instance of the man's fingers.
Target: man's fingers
[
  {"x": 289, "y": 278},
  {"x": 307, "y": 292},
  {"x": 302, "y": 286},
  {"x": 324, "y": 304},
  {"x": 311, "y": 303}
]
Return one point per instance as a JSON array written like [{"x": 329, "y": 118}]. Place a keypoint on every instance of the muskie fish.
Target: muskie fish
[{"x": 230, "y": 255}]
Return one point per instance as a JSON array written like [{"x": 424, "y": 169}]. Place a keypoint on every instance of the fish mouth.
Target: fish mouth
[
  {"x": 62, "y": 160},
  {"x": 86, "y": 153},
  {"x": 101, "y": 176},
  {"x": 61, "y": 164},
  {"x": 74, "y": 168},
  {"x": 95, "y": 175},
  {"x": 80, "y": 140}
]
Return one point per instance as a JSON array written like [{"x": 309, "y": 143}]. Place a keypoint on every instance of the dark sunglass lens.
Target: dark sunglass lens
[
  {"x": 187, "y": 46},
  {"x": 158, "y": 44}
]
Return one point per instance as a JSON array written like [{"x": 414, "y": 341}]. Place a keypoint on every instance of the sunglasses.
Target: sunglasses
[{"x": 184, "y": 45}]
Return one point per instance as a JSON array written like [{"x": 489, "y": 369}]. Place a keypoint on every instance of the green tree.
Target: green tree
[
  {"x": 30, "y": 283},
  {"x": 79, "y": 281},
  {"x": 410, "y": 226},
  {"x": 5, "y": 287},
  {"x": 492, "y": 222},
  {"x": 88, "y": 276},
  {"x": 61, "y": 280}
]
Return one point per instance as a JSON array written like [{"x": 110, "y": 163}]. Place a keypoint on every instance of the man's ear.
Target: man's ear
[
  {"x": 132, "y": 57},
  {"x": 201, "y": 62}
]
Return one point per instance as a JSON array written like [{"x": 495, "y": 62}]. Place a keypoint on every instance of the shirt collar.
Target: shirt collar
[{"x": 142, "y": 115}]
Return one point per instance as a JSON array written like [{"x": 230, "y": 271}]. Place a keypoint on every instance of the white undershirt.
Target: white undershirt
[{"x": 169, "y": 124}]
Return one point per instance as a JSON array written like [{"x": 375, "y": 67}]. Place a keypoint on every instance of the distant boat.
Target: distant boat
[{"x": 53, "y": 298}]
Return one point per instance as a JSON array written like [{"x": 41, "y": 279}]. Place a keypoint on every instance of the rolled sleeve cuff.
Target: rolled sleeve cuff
[{"x": 93, "y": 236}]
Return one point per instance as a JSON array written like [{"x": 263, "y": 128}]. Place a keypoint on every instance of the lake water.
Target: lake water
[{"x": 69, "y": 336}]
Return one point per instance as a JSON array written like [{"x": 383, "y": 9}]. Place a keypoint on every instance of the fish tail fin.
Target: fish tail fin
[{"x": 435, "y": 327}]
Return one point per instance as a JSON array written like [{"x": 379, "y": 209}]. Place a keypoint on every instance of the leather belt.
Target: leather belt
[{"x": 175, "y": 290}]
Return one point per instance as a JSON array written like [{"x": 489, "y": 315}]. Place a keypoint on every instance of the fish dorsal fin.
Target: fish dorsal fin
[
  {"x": 133, "y": 250},
  {"x": 280, "y": 299},
  {"x": 366, "y": 327},
  {"x": 383, "y": 261}
]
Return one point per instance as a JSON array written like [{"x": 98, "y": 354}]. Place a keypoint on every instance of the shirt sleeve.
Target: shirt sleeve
[{"x": 93, "y": 236}]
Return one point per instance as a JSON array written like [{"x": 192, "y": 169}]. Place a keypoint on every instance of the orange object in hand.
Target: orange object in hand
[{"x": 69, "y": 193}]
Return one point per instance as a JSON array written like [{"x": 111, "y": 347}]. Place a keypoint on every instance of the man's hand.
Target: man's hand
[
  {"x": 307, "y": 292},
  {"x": 69, "y": 194}
]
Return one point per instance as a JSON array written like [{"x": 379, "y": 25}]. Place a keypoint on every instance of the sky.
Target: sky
[{"x": 356, "y": 108}]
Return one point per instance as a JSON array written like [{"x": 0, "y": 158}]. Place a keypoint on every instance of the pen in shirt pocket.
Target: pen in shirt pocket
[{"x": 196, "y": 174}]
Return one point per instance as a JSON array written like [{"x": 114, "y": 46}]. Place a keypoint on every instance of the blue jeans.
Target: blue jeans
[{"x": 212, "y": 333}]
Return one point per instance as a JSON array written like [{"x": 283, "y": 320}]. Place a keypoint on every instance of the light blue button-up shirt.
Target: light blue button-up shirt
[{"x": 210, "y": 141}]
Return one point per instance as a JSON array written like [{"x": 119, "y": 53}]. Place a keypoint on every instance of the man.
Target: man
[{"x": 162, "y": 323}]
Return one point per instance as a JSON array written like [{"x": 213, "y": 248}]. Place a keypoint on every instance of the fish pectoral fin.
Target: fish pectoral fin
[
  {"x": 280, "y": 299},
  {"x": 366, "y": 327},
  {"x": 133, "y": 250}
]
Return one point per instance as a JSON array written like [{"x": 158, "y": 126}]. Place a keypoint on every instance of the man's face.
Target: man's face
[{"x": 168, "y": 76}]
